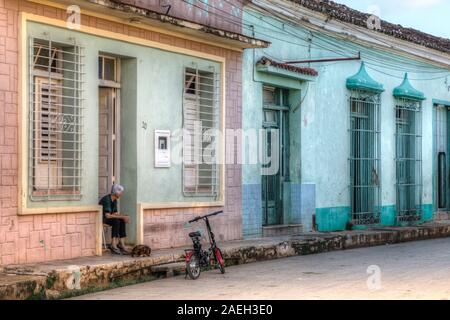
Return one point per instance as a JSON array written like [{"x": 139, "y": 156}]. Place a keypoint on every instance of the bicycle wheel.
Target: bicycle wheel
[
  {"x": 193, "y": 267},
  {"x": 220, "y": 261}
]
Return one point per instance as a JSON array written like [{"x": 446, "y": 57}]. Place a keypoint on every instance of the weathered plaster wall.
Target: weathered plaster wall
[
  {"x": 217, "y": 13},
  {"x": 325, "y": 121}
]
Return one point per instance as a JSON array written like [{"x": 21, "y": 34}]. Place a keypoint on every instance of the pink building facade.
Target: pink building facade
[{"x": 51, "y": 229}]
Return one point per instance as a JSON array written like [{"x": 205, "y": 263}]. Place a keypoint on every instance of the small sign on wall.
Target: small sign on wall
[{"x": 162, "y": 148}]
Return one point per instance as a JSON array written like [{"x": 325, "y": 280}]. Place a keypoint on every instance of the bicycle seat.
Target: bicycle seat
[{"x": 195, "y": 234}]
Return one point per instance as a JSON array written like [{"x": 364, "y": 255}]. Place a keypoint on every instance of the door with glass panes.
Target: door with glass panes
[
  {"x": 276, "y": 147},
  {"x": 109, "y": 124},
  {"x": 442, "y": 180}
]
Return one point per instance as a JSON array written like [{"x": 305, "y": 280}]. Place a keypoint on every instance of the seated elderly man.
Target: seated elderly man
[{"x": 116, "y": 220}]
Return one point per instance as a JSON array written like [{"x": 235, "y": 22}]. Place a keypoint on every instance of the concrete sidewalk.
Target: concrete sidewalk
[{"x": 79, "y": 276}]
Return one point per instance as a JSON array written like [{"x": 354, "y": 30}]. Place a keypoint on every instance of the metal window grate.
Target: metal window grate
[
  {"x": 201, "y": 123},
  {"x": 408, "y": 160},
  {"x": 365, "y": 189},
  {"x": 55, "y": 120}
]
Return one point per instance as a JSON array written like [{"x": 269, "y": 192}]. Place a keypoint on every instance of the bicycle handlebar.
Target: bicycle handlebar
[{"x": 206, "y": 216}]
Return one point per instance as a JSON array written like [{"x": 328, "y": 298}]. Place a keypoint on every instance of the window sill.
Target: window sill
[
  {"x": 60, "y": 210},
  {"x": 55, "y": 192}
]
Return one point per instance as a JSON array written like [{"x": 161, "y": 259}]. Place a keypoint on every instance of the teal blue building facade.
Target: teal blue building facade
[{"x": 362, "y": 125}]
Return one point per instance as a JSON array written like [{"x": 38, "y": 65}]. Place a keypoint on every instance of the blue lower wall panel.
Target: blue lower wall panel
[{"x": 251, "y": 210}]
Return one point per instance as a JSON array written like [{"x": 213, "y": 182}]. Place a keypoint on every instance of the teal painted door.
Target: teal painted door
[
  {"x": 442, "y": 159},
  {"x": 271, "y": 186},
  {"x": 276, "y": 153}
]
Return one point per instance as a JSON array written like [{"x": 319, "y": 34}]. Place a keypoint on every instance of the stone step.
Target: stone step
[
  {"x": 170, "y": 269},
  {"x": 282, "y": 230},
  {"x": 440, "y": 216},
  {"x": 20, "y": 286}
]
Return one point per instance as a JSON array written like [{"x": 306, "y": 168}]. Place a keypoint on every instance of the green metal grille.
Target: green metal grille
[
  {"x": 276, "y": 139},
  {"x": 441, "y": 157},
  {"x": 365, "y": 190},
  {"x": 408, "y": 160}
]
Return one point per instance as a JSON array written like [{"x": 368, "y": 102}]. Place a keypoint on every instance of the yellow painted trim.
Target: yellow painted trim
[
  {"x": 125, "y": 38},
  {"x": 179, "y": 205},
  {"x": 22, "y": 118},
  {"x": 140, "y": 26},
  {"x": 99, "y": 232},
  {"x": 56, "y": 210},
  {"x": 223, "y": 146},
  {"x": 140, "y": 224}
]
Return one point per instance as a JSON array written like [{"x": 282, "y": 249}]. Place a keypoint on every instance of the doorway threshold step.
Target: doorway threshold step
[
  {"x": 442, "y": 215},
  {"x": 282, "y": 230}
]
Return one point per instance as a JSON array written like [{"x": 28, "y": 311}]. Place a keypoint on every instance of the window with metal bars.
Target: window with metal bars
[
  {"x": 365, "y": 191},
  {"x": 55, "y": 116},
  {"x": 201, "y": 123},
  {"x": 441, "y": 140},
  {"x": 408, "y": 160}
]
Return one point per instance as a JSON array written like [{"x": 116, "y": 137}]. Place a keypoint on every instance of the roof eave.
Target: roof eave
[
  {"x": 358, "y": 18},
  {"x": 320, "y": 22},
  {"x": 140, "y": 16},
  {"x": 272, "y": 70}
]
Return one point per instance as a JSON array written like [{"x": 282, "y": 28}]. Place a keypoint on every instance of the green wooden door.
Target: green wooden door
[
  {"x": 271, "y": 186},
  {"x": 276, "y": 149}
]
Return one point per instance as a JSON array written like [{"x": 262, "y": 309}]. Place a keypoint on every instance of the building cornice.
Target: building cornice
[
  {"x": 368, "y": 21},
  {"x": 148, "y": 19},
  {"x": 320, "y": 22}
]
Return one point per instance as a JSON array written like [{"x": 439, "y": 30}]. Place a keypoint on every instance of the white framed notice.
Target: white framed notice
[{"x": 162, "y": 149}]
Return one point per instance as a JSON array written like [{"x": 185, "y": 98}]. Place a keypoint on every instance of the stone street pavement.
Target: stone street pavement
[{"x": 413, "y": 270}]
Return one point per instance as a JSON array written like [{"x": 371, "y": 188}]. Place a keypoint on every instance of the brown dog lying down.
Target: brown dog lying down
[{"x": 141, "y": 251}]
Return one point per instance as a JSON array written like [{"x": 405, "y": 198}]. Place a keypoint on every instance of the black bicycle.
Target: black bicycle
[{"x": 198, "y": 258}]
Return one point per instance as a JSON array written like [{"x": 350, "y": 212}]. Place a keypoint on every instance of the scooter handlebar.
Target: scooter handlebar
[{"x": 205, "y": 216}]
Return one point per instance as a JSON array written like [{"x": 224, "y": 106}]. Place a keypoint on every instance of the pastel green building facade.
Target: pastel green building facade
[{"x": 319, "y": 111}]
